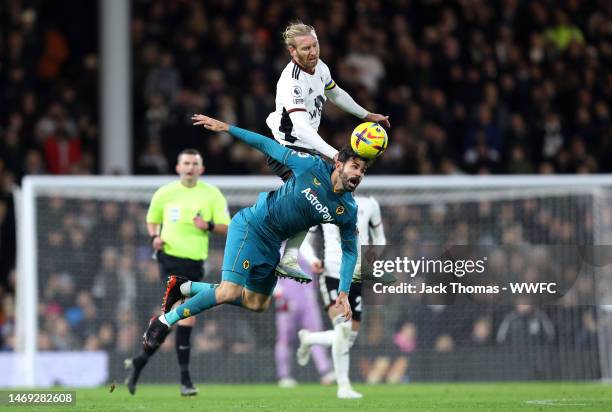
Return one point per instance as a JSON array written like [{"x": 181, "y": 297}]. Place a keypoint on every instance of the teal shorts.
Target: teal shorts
[{"x": 249, "y": 259}]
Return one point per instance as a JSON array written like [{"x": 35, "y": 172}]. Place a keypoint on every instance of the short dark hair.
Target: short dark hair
[
  {"x": 347, "y": 153},
  {"x": 188, "y": 152}
]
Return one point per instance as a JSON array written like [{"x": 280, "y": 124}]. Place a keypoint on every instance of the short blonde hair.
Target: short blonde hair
[{"x": 295, "y": 29}]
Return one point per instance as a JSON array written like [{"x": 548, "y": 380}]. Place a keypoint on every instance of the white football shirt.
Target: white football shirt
[{"x": 298, "y": 89}]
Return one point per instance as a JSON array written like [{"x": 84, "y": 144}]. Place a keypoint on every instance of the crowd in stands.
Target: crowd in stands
[
  {"x": 472, "y": 86},
  {"x": 48, "y": 105},
  {"x": 49, "y": 90}
]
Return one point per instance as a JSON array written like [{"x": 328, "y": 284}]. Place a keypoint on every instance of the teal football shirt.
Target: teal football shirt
[{"x": 305, "y": 200}]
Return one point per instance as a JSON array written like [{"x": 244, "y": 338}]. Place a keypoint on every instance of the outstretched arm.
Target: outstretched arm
[
  {"x": 259, "y": 142},
  {"x": 344, "y": 101},
  {"x": 262, "y": 143},
  {"x": 348, "y": 242}
]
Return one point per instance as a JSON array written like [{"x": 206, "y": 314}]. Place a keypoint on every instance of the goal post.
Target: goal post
[
  {"x": 27, "y": 285},
  {"x": 409, "y": 205}
]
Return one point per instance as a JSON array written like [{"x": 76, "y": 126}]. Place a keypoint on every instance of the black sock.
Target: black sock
[
  {"x": 183, "y": 349},
  {"x": 141, "y": 360},
  {"x": 148, "y": 351},
  {"x": 186, "y": 378}
]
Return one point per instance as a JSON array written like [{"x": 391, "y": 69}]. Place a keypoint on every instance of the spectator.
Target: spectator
[
  {"x": 526, "y": 324},
  {"x": 163, "y": 80}
]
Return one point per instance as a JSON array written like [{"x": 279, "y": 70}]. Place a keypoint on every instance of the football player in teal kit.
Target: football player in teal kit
[{"x": 318, "y": 192}]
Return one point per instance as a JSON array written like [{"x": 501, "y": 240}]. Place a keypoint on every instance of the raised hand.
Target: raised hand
[
  {"x": 209, "y": 123},
  {"x": 378, "y": 118}
]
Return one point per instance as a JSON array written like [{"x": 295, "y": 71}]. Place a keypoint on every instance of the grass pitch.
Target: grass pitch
[{"x": 437, "y": 397}]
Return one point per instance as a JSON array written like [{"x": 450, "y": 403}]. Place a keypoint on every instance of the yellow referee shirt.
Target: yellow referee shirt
[{"x": 174, "y": 206}]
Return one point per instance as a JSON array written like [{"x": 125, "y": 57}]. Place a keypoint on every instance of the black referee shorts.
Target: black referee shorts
[
  {"x": 283, "y": 171},
  {"x": 172, "y": 265}
]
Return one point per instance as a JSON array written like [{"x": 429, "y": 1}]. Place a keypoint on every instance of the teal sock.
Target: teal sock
[
  {"x": 204, "y": 299},
  {"x": 197, "y": 287}
]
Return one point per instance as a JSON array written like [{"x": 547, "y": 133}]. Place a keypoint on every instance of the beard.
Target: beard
[
  {"x": 349, "y": 184},
  {"x": 308, "y": 63}
]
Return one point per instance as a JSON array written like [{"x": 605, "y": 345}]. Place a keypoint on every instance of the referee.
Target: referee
[{"x": 181, "y": 216}]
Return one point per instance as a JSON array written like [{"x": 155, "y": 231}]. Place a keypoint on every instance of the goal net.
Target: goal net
[{"x": 87, "y": 284}]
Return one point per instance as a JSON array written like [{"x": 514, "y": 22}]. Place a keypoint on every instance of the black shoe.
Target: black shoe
[
  {"x": 155, "y": 335},
  {"x": 135, "y": 366},
  {"x": 173, "y": 292}
]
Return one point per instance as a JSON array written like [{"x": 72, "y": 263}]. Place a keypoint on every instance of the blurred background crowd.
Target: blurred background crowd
[
  {"x": 472, "y": 86},
  {"x": 99, "y": 286}
]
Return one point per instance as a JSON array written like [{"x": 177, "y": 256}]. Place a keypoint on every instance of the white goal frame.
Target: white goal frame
[{"x": 27, "y": 267}]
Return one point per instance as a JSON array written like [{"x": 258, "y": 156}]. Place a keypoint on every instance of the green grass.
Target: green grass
[{"x": 435, "y": 397}]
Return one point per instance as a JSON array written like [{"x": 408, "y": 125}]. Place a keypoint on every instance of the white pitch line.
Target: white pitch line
[{"x": 555, "y": 402}]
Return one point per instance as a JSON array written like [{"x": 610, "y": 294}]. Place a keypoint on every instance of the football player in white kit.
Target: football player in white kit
[
  {"x": 343, "y": 336},
  {"x": 302, "y": 89}
]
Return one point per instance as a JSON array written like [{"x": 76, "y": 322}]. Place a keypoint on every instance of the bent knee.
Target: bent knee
[
  {"x": 257, "y": 306},
  {"x": 228, "y": 293}
]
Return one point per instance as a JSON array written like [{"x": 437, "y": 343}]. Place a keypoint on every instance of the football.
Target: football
[{"x": 369, "y": 140}]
